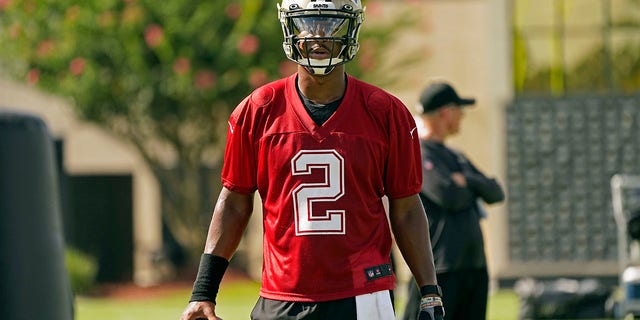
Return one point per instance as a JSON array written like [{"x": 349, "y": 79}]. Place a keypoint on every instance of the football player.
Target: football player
[{"x": 322, "y": 149}]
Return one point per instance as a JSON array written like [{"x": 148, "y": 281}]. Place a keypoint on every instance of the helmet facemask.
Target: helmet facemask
[{"x": 322, "y": 34}]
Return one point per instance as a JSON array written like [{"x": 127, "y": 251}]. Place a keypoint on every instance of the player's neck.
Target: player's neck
[{"x": 322, "y": 89}]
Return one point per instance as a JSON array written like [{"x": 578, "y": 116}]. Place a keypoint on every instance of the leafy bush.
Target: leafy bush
[{"x": 82, "y": 269}]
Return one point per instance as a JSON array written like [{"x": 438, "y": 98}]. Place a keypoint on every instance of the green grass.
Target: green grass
[
  {"x": 503, "y": 305},
  {"x": 235, "y": 303},
  {"x": 166, "y": 307}
]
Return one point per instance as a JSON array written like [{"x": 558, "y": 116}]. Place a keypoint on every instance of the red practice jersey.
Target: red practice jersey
[{"x": 326, "y": 233}]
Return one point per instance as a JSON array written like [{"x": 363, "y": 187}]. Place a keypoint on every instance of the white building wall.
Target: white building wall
[{"x": 90, "y": 150}]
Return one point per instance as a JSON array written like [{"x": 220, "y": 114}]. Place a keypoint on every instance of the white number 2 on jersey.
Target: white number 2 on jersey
[{"x": 329, "y": 190}]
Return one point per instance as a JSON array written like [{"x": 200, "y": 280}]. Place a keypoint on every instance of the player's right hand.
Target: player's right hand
[{"x": 200, "y": 310}]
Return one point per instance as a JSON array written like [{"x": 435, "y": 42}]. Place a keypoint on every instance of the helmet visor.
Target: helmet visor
[{"x": 320, "y": 26}]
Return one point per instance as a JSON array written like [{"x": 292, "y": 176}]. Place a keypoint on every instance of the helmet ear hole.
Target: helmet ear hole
[{"x": 353, "y": 50}]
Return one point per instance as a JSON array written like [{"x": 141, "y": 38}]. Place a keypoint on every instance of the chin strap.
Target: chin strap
[
  {"x": 323, "y": 71},
  {"x": 320, "y": 67}
]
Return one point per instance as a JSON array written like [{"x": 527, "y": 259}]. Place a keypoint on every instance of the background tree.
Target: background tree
[{"x": 162, "y": 75}]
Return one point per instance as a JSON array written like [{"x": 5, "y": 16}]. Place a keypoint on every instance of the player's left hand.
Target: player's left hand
[
  {"x": 431, "y": 308},
  {"x": 431, "y": 313}
]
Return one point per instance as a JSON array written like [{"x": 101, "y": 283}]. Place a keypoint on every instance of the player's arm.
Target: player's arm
[
  {"x": 411, "y": 231},
  {"x": 230, "y": 218},
  {"x": 228, "y": 222}
]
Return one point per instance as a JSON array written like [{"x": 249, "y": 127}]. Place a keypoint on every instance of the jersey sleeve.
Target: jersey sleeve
[
  {"x": 239, "y": 168},
  {"x": 403, "y": 171}
]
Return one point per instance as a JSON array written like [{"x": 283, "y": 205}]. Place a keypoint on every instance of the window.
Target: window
[{"x": 564, "y": 47}]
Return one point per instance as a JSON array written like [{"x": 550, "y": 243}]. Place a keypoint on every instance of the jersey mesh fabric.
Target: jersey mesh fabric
[{"x": 321, "y": 186}]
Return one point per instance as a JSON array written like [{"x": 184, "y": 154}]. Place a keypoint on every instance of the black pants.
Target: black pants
[
  {"x": 343, "y": 309},
  {"x": 465, "y": 295}
]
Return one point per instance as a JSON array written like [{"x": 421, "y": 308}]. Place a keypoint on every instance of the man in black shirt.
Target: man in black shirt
[{"x": 452, "y": 188}]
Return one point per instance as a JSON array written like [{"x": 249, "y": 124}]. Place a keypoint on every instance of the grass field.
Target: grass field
[{"x": 235, "y": 303}]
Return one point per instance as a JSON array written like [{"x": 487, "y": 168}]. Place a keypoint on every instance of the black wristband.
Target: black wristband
[
  {"x": 210, "y": 273},
  {"x": 431, "y": 289}
]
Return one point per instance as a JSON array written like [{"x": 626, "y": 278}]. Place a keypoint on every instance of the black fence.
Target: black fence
[{"x": 561, "y": 155}]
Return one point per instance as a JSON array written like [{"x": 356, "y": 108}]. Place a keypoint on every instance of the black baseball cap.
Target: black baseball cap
[{"x": 440, "y": 94}]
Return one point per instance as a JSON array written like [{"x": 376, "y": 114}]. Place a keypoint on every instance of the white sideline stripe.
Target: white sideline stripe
[{"x": 375, "y": 306}]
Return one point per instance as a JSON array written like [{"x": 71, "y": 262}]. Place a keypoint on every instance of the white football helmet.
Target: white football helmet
[{"x": 321, "y": 34}]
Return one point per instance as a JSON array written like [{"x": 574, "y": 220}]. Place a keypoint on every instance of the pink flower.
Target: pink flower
[
  {"x": 287, "y": 68},
  {"x": 374, "y": 9},
  {"x": 72, "y": 14},
  {"x": 233, "y": 11},
  {"x": 367, "y": 59},
  {"x": 4, "y": 4},
  {"x": 248, "y": 44},
  {"x": 258, "y": 77},
  {"x": 153, "y": 35},
  {"x": 182, "y": 65},
  {"x": 15, "y": 30},
  {"x": 45, "y": 48},
  {"x": 205, "y": 79},
  {"x": 106, "y": 19},
  {"x": 77, "y": 66},
  {"x": 33, "y": 76}
]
